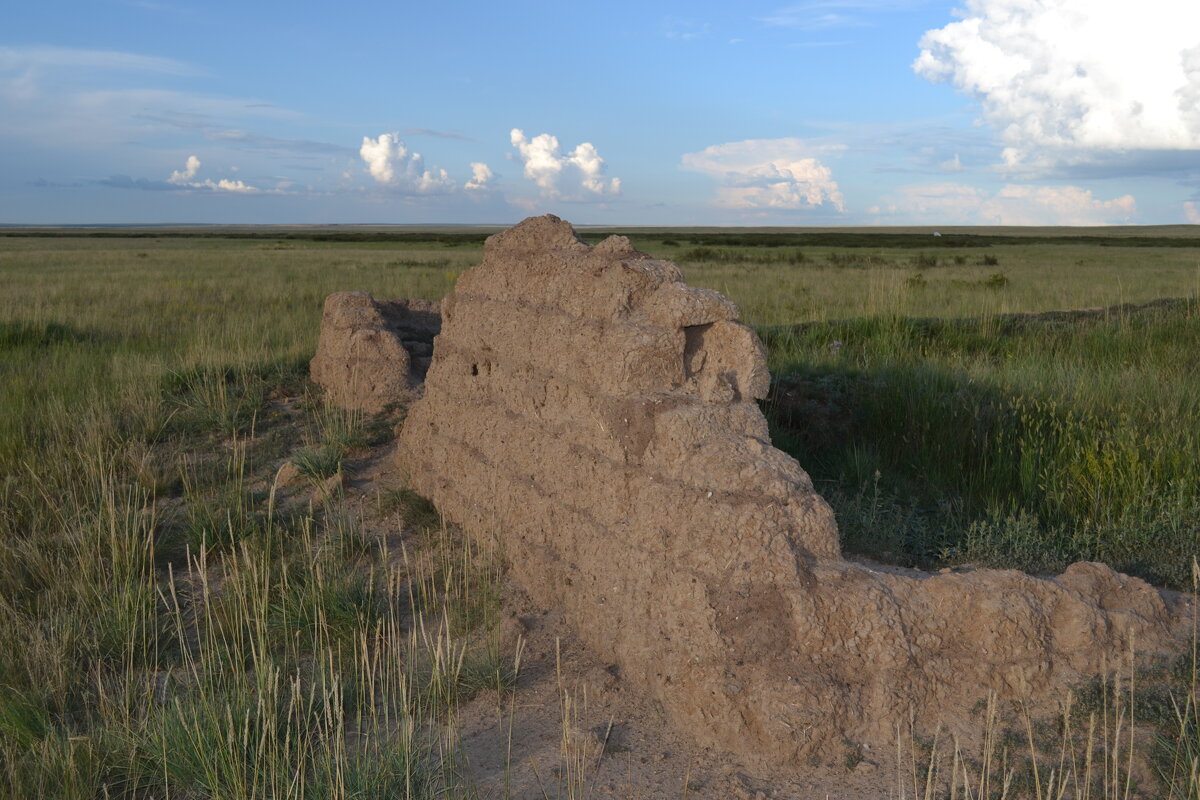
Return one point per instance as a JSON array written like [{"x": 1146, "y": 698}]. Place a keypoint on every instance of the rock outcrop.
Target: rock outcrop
[
  {"x": 597, "y": 415},
  {"x": 373, "y": 352}
]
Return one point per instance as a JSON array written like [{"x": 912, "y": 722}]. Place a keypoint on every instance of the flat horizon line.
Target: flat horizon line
[{"x": 1190, "y": 228}]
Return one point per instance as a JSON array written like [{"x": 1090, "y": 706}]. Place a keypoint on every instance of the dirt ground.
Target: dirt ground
[
  {"x": 595, "y": 417},
  {"x": 575, "y": 728},
  {"x": 616, "y": 742}
]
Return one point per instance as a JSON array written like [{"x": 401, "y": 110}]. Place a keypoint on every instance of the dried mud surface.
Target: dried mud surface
[
  {"x": 372, "y": 353},
  {"x": 512, "y": 744},
  {"x": 597, "y": 416}
]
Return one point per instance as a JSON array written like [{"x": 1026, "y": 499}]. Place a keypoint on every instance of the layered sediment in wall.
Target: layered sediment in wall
[
  {"x": 373, "y": 352},
  {"x": 598, "y": 416}
]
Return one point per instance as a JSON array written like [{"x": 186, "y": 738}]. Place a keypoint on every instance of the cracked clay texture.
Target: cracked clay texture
[{"x": 597, "y": 417}]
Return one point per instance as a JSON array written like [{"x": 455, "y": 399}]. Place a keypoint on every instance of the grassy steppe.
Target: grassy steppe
[
  {"x": 169, "y": 629},
  {"x": 947, "y": 421}
]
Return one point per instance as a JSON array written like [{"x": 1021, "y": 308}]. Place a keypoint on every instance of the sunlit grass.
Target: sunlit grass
[
  {"x": 175, "y": 625},
  {"x": 1011, "y": 441},
  {"x": 168, "y": 628}
]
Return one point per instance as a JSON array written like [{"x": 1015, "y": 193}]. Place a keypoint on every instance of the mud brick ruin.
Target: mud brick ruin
[
  {"x": 598, "y": 417},
  {"x": 373, "y": 352}
]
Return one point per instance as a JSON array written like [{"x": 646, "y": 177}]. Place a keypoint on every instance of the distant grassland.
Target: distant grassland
[
  {"x": 91, "y": 325},
  {"x": 150, "y": 590},
  {"x": 1073, "y": 427}
]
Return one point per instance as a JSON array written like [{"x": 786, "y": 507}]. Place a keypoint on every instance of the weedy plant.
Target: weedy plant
[{"x": 319, "y": 462}]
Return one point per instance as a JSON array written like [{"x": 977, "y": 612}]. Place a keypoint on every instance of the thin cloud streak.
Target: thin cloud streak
[
  {"x": 47, "y": 57},
  {"x": 826, "y": 14},
  {"x": 436, "y": 134},
  {"x": 803, "y": 45},
  {"x": 243, "y": 139},
  {"x": 1012, "y": 204}
]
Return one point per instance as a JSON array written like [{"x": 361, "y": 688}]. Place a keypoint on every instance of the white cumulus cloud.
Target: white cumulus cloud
[
  {"x": 481, "y": 177},
  {"x": 1013, "y": 204},
  {"x": 226, "y": 185},
  {"x": 1191, "y": 212},
  {"x": 1071, "y": 81},
  {"x": 768, "y": 174},
  {"x": 549, "y": 169},
  {"x": 185, "y": 178},
  {"x": 392, "y": 164},
  {"x": 187, "y": 173}
]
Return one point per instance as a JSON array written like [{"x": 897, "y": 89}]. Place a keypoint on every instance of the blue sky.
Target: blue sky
[{"x": 824, "y": 112}]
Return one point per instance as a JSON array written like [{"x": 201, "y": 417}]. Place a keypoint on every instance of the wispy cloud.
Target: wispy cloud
[
  {"x": 436, "y": 134},
  {"x": 145, "y": 5},
  {"x": 43, "y": 183},
  {"x": 952, "y": 164},
  {"x": 47, "y": 57},
  {"x": 826, "y": 14},
  {"x": 49, "y": 95},
  {"x": 142, "y": 184},
  {"x": 805, "y": 45},
  {"x": 164, "y": 9},
  {"x": 251, "y": 140},
  {"x": 924, "y": 147},
  {"x": 1013, "y": 204},
  {"x": 113, "y": 116},
  {"x": 685, "y": 29}
]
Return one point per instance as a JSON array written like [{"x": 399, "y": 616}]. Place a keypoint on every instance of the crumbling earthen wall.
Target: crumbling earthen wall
[
  {"x": 598, "y": 416},
  {"x": 373, "y": 352}
]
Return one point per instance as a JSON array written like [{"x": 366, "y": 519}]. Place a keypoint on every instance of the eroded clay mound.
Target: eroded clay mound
[
  {"x": 373, "y": 352},
  {"x": 598, "y": 415}
]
